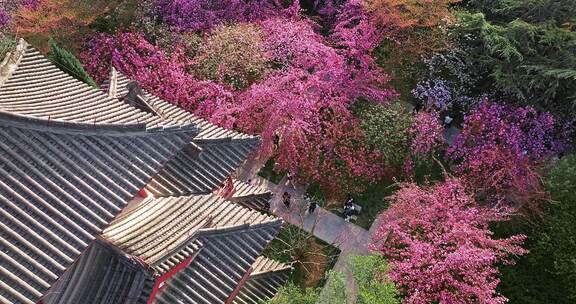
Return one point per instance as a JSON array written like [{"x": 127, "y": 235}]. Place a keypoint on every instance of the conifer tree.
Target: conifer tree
[{"x": 69, "y": 64}]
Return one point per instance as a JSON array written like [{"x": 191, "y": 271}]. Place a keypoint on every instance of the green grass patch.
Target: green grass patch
[
  {"x": 373, "y": 202},
  {"x": 314, "y": 192},
  {"x": 268, "y": 172}
]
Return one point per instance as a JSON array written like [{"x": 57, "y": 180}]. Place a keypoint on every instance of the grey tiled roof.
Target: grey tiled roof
[
  {"x": 204, "y": 166},
  {"x": 103, "y": 275},
  {"x": 193, "y": 174},
  {"x": 225, "y": 257},
  {"x": 156, "y": 229},
  {"x": 251, "y": 196},
  {"x": 31, "y": 85},
  {"x": 169, "y": 111},
  {"x": 71, "y": 157},
  {"x": 60, "y": 185},
  {"x": 266, "y": 278}
]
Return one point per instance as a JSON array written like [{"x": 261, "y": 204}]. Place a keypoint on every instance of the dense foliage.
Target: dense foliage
[
  {"x": 38, "y": 20},
  {"x": 501, "y": 148},
  {"x": 371, "y": 276},
  {"x": 417, "y": 26},
  {"x": 165, "y": 75},
  {"x": 552, "y": 243},
  {"x": 427, "y": 134},
  {"x": 232, "y": 55},
  {"x": 334, "y": 292},
  {"x": 292, "y": 294},
  {"x": 559, "y": 12},
  {"x": 387, "y": 128},
  {"x": 439, "y": 245},
  {"x": 533, "y": 63},
  {"x": 191, "y": 15},
  {"x": 328, "y": 86}
]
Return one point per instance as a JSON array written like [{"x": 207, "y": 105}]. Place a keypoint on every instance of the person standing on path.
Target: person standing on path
[
  {"x": 312, "y": 207},
  {"x": 286, "y": 199},
  {"x": 289, "y": 182}
]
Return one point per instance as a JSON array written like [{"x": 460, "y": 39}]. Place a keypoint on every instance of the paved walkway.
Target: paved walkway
[
  {"x": 329, "y": 227},
  {"x": 323, "y": 224}
]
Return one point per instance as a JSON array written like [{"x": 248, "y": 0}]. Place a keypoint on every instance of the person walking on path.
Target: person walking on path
[
  {"x": 448, "y": 121},
  {"x": 289, "y": 181},
  {"x": 286, "y": 199},
  {"x": 312, "y": 207},
  {"x": 349, "y": 202}
]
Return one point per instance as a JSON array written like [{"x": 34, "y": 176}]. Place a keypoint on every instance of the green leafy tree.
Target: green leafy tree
[
  {"x": 292, "y": 294},
  {"x": 335, "y": 290},
  {"x": 548, "y": 273},
  {"x": 387, "y": 128},
  {"x": 533, "y": 62},
  {"x": 374, "y": 286},
  {"x": 561, "y": 12},
  {"x": 69, "y": 64}
]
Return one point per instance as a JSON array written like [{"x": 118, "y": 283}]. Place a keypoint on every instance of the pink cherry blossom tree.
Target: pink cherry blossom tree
[
  {"x": 439, "y": 245},
  {"x": 305, "y": 123},
  {"x": 427, "y": 134},
  {"x": 163, "y": 75},
  {"x": 302, "y": 110}
]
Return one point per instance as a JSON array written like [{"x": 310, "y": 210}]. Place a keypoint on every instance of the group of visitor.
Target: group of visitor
[{"x": 286, "y": 201}]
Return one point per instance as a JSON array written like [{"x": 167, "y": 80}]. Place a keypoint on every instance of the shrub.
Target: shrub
[
  {"x": 371, "y": 276},
  {"x": 232, "y": 54},
  {"x": 387, "y": 128}
]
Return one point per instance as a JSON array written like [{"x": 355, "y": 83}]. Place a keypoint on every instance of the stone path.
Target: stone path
[
  {"x": 329, "y": 227},
  {"x": 323, "y": 224}
]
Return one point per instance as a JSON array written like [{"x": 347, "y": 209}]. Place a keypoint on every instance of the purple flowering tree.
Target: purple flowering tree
[
  {"x": 7, "y": 7},
  {"x": 501, "y": 148},
  {"x": 193, "y": 15},
  {"x": 435, "y": 94}
]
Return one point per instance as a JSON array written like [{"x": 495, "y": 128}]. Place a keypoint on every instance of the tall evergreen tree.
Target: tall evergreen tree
[{"x": 69, "y": 64}]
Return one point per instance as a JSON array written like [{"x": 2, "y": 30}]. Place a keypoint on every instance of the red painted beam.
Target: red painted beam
[
  {"x": 159, "y": 284},
  {"x": 239, "y": 286}
]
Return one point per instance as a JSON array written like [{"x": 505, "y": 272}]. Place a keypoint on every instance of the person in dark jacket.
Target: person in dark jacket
[
  {"x": 312, "y": 207},
  {"x": 286, "y": 199}
]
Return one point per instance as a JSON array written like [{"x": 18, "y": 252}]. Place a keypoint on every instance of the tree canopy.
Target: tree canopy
[
  {"x": 548, "y": 273},
  {"x": 439, "y": 246}
]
